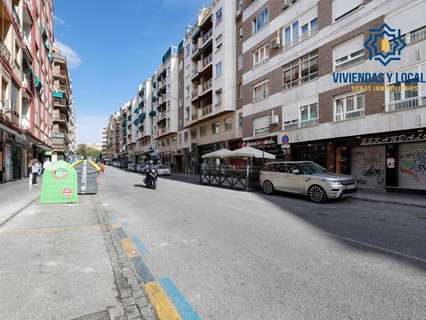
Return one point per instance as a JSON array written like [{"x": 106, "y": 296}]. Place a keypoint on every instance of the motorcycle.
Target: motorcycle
[{"x": 151, "y": 178}]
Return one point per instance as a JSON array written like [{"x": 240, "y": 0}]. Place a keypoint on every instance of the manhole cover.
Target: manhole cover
[{"x": 100, "y": 315}]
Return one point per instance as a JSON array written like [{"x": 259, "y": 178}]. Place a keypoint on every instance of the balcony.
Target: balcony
[
  {"x": 162, "y": 99},
  {"x": 406, "y": 104},
  {"x": 301, "y": 124},
  {"x": 261, "y": 131},
  {"x": 59, "y": 72},
  {"x": 206, "y": 86},
  {"x": 206, "y": 62},
  {"x": 205, "y": 112},
  {"x": 161, "y": 116},
  {"x": 4, "y": 51},
  {"x": 56, "y": 116}
]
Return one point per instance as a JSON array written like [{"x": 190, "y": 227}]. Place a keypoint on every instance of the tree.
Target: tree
[{"x": 86, "y": 152}]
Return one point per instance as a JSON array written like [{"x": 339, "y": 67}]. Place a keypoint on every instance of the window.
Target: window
[
  {"x": 188, "y": 50},
  {"x": 193, "y": 134},
  {"x": 203, "y": 131},
  {"x": 261, "y": 91},
  {"x": 300, "y": 70},
  {"x": 348, "y": 53},
  {"x": 218, "y": 16},
  {"x": 216, "y": 128},
  {"x": 228, "y": 124},
  {"x": 218, "y": 97},
  {"x": 260, "y": 20},
  {"x": 218, "y": 69},
  {"x": 187, "y": 89},
  {"x": 218, "y": 42},
  {"x": 402, "y": 96},
  {"x": 292, "y": 34},
  {"x": 260, "y": 55},
  {"x": 240, "y": 120},
  {"x": 261, "y": 126},
  {"x": 240, "y": 91},
  {"x": 309, "y": 115},
  {"x": 185, "y": 137},
  {"x": 349, "y": 107},
  {"x": 418, "y": 34}
]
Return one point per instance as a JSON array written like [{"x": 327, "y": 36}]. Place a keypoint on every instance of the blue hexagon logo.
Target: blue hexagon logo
[{"x": 385, "y": 44}]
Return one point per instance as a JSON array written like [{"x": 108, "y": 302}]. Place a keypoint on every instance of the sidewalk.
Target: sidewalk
[
  {"x": 362, "y": 195},
  {"x": 55, "y": 264},
  {"x": 392, "y": 198},
  {"x": 15, "y": 196}
]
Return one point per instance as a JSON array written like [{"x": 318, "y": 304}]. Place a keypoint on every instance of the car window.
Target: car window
[{"x": 271, "y": 167}]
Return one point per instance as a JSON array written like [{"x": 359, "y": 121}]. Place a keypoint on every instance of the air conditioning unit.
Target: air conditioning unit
[
  {"x": 276, "y": 43},
  {"x": 274, "y": 119}
]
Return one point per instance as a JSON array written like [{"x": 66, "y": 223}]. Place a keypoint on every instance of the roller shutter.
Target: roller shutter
[
  {"x": 368, "y": 166},
  {"x": 412, "y": 166}
]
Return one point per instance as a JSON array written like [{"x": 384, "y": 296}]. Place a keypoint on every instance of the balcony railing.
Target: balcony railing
[
  {"x": 206, "y": 86},
  {"x": 207, "y": 60},
  {"x": 59, "y": 72},
  {"x": 205, "y": 111},
  {"x": 4, "y": 51},
  {"x": 301, "y": 124},
  {"x": 194, "y": 116},
  {"x": 410, "y": 103},
  {"x": 205, "y": 38},
  {"x": 261, "y": 131},
  {"x": 161, "y": 116}
]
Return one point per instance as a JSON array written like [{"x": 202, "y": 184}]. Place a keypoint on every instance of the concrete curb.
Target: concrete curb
[
  {"x": 407, "y": 204},
  {"x": 13, "y": 215}
]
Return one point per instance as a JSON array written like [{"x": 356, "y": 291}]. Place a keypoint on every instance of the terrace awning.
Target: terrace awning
[
  {"x": 249, "y": 152},
  {"x": 219, "y": 154},
  {"x": 58, "y": 94}
]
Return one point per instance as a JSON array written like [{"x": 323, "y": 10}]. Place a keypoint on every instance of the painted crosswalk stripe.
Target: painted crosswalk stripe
[{"x": 184, "y": 308}]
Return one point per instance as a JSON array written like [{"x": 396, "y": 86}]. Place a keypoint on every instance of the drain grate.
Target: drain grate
[{"x": 100, "y": 315}]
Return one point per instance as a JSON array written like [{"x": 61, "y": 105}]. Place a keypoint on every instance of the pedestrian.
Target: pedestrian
[
  {"x": 46, "y": 164},
  {"x": 35, "y": 171}
]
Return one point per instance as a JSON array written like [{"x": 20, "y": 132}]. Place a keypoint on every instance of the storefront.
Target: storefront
[
  {"x": 267, "y": 144},
  {"x": 393, "y": 161},
  {"x": 12, "y": 155}
]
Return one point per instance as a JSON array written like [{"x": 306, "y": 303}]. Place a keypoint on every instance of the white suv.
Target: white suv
[{"x": 307, "y": 178}]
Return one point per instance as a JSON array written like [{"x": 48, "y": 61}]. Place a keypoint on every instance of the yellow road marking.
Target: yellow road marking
[
  {"x": 163, "y": 306},
  {"x": 129, "y": 248},
  {"x": 51, "y": 230}
]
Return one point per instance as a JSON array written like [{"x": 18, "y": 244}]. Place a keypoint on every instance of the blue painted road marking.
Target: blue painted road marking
[
  {"x": 121, "y": 233},
  {"x": 142, "y": 270},
  {"x": 184, "y": 308},
  {"x": 139, "y": 245}
]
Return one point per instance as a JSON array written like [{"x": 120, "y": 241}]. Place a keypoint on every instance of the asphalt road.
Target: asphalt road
[{"x": 237, "y": 255}]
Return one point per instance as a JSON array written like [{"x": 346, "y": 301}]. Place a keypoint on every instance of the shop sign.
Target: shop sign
[
  {"x": 285, "y": 139},
  {"x": 396, "y": 138}
]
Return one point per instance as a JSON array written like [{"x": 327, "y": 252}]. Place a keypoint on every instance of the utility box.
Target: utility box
[
  {"x": 88, "y": 173},
  {"x": 59, "y": 184}
]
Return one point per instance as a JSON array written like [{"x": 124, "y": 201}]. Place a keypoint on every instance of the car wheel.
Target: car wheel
[
  {"x": 268, "y": 187},
  {"x": 317, "y": 194}
]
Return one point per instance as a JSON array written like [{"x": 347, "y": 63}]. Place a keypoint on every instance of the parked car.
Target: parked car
[
  {"x": 116, "y": 164},
  {"x": 306, "y": 178},
  {"x": 163, "y": 170},
  {"x": 141, "y": 168},
  {"x": 131, "y": 166},
  {"x": 123, "y": 164}
]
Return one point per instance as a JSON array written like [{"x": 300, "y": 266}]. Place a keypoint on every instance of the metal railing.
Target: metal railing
[
  {"x": 261, "y": 131},
  {"x": 206, "y": 86},
  {"x": 205, "y": 111},
  {"x": 4, "y": 51},
  {"x": 410, "y": 103},
  {"x": 205, "y": 38},
  {"x": 207, "y": 60}
]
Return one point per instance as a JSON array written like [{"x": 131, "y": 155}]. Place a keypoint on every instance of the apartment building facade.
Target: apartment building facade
[
  {"x": 294, "y": 107},
  {"x": 166, "y": 102},
  {"x": 63, "y": 115},
  {"x": 26, "y": 31},
  {"x": 112, "y": 139}
]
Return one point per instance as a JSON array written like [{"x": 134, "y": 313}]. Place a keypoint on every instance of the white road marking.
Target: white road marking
[
  {"x": 242, "y": 209},
  {"x": 366, "y": 244}
]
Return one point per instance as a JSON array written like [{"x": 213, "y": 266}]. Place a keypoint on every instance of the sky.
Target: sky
[{"x": 112, "y": 46}]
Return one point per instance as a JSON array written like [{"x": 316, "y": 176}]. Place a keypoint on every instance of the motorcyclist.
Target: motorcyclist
[{"x": 150, "y": 175}]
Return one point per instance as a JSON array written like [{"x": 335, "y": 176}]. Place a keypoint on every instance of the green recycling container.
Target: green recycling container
[
  {"x": 88, "y": 173},
  {"x": 59, "y": 184}
]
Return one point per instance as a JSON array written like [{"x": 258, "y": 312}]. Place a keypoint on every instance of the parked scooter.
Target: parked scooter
[{"x": 151, "y": 176}]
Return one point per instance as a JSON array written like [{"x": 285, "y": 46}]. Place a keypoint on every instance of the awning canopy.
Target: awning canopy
[
  {"x": 249, "y": 152},
  {"x": 219, "y": 154},
  {"x": 58, "y": 94}
]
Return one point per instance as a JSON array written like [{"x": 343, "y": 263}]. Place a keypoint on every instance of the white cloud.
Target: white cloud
[
  {"x": 89, "y": 128},
  {"x": 59, "y": 20},
  {"x": 73, "y": 58}
]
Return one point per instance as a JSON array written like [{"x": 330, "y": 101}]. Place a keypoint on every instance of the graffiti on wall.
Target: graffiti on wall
[
  {"x": 413, "y": 164},
  {"x": 370, "y": 168}
]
